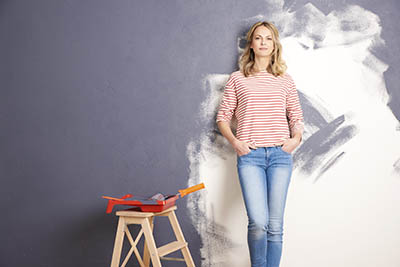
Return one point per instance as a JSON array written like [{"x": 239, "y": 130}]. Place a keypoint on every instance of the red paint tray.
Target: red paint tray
[{"x": 156, "y": 203}]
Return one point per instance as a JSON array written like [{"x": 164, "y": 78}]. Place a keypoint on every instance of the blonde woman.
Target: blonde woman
[{"x": 264, "y": 99}]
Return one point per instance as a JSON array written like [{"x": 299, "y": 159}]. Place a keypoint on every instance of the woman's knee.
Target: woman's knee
[
  {"x": 257, "y": 229},
  {"x": 275, "y": 231}
]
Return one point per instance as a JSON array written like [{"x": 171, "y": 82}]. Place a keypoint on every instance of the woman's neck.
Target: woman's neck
[{"x": 261, "y": 63}]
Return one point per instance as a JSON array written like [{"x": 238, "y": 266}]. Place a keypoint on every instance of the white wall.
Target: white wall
[{"x": 345, "y": 215}]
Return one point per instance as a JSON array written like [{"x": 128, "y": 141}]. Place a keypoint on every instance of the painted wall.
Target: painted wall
[{"x": 101, "y": 97}]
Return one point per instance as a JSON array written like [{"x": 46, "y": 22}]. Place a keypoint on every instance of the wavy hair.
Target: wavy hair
[{"x": 277, "y": 65}]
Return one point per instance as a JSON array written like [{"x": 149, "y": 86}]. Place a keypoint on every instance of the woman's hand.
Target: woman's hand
[
  {"x": 242, "y": 148},
  {"x": 290, "y": 144}
]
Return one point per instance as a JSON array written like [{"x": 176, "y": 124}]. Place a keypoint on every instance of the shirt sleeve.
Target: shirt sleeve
[
  {"x": 228, "y": 102},
  {"x": 293, "y": 109}
]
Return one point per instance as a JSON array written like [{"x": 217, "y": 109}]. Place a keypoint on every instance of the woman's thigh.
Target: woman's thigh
[
  {"x": 279, "y": 173},
  {"x": 253, "y": 182}
]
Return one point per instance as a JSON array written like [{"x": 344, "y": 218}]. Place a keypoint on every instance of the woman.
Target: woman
[{"x": 265, "y": 101}]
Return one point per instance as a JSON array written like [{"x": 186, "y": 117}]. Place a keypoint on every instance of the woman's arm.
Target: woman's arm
[
  {"x": 224, "y": 115},
  {"x": 298, "y": 136},
  {"x": 295, "y": 119},
  {"x": 240, "y": 147}
]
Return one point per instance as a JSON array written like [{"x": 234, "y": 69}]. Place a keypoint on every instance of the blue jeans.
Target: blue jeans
[{"x": 264, "y": 176}]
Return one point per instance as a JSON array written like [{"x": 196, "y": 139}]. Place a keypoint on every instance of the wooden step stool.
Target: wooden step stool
[{"x": 146, "y": 219}]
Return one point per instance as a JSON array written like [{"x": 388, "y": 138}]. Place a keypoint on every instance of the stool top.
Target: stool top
[{"x": 134, "y": 213}]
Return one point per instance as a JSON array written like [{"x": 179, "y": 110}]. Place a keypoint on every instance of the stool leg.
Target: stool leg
[
  {"x": 119, "y": 238},
  {"x": 179, "y": 236},
  {"x": 151, "y": 244},
  {"x": 146, "y": 255}
]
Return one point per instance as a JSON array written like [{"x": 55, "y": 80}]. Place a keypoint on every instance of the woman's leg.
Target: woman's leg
[
  {"x": 253, "y": 182},
  {"x": 279, "y": 170}
]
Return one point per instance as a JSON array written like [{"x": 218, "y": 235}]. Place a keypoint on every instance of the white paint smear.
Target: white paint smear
[{"x": 350, "y": 217}]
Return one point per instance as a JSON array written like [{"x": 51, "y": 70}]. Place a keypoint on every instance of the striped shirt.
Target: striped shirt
[{"x": 267, "y": 108}]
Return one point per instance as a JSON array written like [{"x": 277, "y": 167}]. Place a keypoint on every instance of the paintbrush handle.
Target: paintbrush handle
[
  {"x": 191, "y": 189},
  {"x": 112, "y": 198},
  {"x": 118, "y": 199}
]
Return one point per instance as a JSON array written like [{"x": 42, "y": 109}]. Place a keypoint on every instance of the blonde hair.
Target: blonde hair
[{"x": 277, "y": 65}]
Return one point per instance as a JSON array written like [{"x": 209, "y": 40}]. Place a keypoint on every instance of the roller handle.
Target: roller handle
[
  {"x": 118, "y": 199},
  {"x": 191, "y": 189}
]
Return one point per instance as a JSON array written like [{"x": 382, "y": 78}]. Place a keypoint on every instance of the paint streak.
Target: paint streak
[
  {"x": 216, "y": 242},
  {"x": 314, "y": 113},
  {"x": 310, "y": 156},
  {"x": 396, "y": 166},
  {"x": 331, "y": 162}
]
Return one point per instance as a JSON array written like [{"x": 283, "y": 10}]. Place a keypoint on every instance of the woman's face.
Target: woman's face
[{"x": 262, "y": 42}]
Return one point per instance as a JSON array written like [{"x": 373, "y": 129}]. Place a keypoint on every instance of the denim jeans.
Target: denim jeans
[{"x": 264, "y": 176}]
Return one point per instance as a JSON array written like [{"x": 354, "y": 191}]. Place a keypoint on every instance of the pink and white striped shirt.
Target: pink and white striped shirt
[{"x": 267, "y": 108}]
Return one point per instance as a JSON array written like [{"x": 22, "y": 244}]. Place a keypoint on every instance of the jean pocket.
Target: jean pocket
[
  {"x": 251, "y": 150},
  {"x": 289, "y": 153}
]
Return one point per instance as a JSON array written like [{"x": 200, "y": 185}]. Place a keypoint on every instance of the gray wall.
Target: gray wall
[{"x": 101, "y": 98}]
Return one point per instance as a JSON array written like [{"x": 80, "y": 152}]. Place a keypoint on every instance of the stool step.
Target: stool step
[
  {"x": 171, "y": 247},
  {"x": 171, "y": 259}
]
